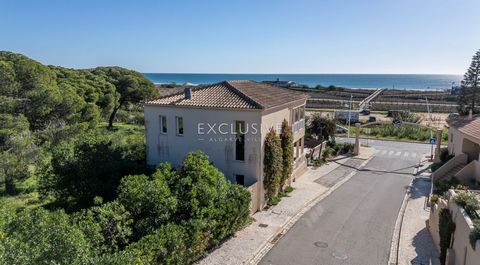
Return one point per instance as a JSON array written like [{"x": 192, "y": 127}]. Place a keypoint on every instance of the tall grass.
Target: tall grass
[{"x": 408, "y": 132}]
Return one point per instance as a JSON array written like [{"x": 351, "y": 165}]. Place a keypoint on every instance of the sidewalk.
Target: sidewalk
[
  {"x": 250, "y": 244},
  {"x": 416, "y": 245}
]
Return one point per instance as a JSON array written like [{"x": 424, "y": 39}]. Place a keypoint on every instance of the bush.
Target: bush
[
  {"x": 148, "y": 199},
  {"x": 469, "y": 202},
  {"x": 434, "y": 199},
  {"x": 108, "y": 226},
  {"x": 205, "y": 194},
  {"x": 274, "y": 201},
  {"x": 41, "y": 237},
  {"x": 475, "y": 234},
  {"x": 289, "y": 189},
  {"x": 443, "y": 186},
  {"x": 86, "y": 167},
  {"x": 167, "y": 245}
]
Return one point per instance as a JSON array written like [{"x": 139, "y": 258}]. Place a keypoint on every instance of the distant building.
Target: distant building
[
  {"x": 228, "y": 121},
  {"x": 284, "y": 84}
]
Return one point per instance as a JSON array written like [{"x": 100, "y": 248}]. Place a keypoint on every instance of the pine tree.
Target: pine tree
[
  {"x": 272, "y": 164},
  {"x": 469, "y": 97},
  {"x": 287, "y": 152}
]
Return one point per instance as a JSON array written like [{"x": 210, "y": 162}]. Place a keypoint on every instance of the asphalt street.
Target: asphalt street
[{"x": 354, "y": 224}]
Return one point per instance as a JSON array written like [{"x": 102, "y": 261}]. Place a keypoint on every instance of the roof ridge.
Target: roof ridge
[
  {"x": 241, "y": 94},
  {"x": 180, "y": 92}
]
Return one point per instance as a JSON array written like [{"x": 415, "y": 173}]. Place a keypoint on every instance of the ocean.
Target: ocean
[{"x": 395, "y": 81}]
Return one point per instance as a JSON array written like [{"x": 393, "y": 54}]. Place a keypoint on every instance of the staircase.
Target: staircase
[
  {"x": 451, "y": 168},
  {"x": 451, "y": 173}
]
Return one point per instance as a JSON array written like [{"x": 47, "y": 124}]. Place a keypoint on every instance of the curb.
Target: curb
[
  {"x": 289, "y": 223},
  {"x": 395, "y": 245}
]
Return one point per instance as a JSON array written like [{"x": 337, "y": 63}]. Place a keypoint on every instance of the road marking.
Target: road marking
[
  {"x": 384, "y": 152},
  {"x": 391, "y": 153},
  {"x": 406, "y": 154},
  {"x": 398, "y": 153},
  {"x": 414, "y": 154}
]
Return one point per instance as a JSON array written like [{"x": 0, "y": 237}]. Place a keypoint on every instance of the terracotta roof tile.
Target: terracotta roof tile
[
  {"x": 241, "y": 94},
  {"x": 466, "y": 126}
]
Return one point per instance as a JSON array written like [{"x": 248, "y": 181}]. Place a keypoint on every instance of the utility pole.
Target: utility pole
[
  {"x": 431, "y": 132},
  {"x": 349, "y": 115}
]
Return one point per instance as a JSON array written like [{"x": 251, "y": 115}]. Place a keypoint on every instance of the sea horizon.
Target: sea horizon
[{"x": 365, "y": 81}]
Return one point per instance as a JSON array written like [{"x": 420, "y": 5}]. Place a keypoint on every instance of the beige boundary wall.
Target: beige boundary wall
[
  {"x": 461, "y": 252},
  {"x": 254, "y": 201}
]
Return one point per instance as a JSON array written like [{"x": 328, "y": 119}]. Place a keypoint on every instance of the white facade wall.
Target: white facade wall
[
  {"x": 220, "y": 147},
  {"x": 455, "y": 144}
]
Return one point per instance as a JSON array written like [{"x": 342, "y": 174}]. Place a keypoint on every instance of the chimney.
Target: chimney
[
  {"x": 188, "y": 93},
  {"x": 470, "y": 115}
]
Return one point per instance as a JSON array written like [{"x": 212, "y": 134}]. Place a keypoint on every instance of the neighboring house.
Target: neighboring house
[
  {"x": 228, "y": 121},
  {"x": 464, "y": 143}
]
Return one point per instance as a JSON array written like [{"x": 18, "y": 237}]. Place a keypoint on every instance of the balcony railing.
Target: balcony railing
[{"x": 299, "y": 125}]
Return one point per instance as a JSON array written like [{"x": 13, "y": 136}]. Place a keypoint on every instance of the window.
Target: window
[
  {"x": 163, "y": 124},
  {"x": 240, "y": 179},
  {"x": 179, "y": 125},
  {"x": 298, "y": 114},
  {"x": 240, "y": 140}
]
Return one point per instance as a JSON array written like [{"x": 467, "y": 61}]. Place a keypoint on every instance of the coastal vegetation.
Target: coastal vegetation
[
  {"x": 74, "y": 184},
  {"x": 469, "y": 94}
]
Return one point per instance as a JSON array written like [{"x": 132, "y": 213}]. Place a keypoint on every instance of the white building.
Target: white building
[
  {"x": 464, "y": 144},
  {"x": 228, "y": 121}
]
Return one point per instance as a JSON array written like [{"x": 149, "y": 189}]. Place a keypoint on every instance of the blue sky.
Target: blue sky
[{"x": 247, "y": 36}]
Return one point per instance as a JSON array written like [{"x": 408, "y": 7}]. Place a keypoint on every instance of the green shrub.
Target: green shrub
[
  {"x": 168, "y": 245},
  {"x": 327, "y": 152},
  {"x": 434, "y": 199},
  {"x": 41, "y": 237},
  {"x": 274, "y": 201},
  {"x": 443, "y": 186},
  {"x": 108, "y": 226},
  {"x": 289, "y": 189},
  {"x": 469, "y": 202},
  {"x": 148, "y": 199},
  {"x": 475, "y": 234}
]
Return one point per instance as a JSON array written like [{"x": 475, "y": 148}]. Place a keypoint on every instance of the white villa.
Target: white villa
[{"x": 228, "y": 121}]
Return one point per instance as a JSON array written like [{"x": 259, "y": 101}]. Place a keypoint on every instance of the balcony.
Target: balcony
[{"x": 299, "y": 126}]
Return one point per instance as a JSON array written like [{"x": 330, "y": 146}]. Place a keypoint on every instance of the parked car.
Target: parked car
[
  {"x": 365, "y": 112},
  {"x": 392, "y": 113},
  {"x": 453, "y": 115},
  {"x": 341, "y": 129}
]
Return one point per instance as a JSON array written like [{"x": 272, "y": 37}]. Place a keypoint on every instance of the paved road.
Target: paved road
[{"x": 354, "y": 225}]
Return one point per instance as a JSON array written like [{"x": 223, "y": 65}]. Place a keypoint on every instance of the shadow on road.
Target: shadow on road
[{"x": 395, "y": 171}]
